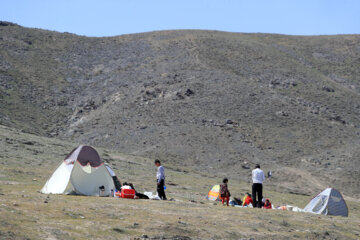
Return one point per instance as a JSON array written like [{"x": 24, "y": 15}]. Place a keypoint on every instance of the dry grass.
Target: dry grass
[{"x": 27, "y": 214}]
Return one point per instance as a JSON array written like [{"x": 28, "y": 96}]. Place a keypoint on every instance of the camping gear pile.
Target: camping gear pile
[
  {"x": 328, "y": 202},
  {"x": 83, "y": 172}
]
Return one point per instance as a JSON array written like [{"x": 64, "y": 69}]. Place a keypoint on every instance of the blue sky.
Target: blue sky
[{"x": 115, "y": 17}]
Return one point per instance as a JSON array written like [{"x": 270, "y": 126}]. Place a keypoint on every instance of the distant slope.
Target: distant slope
[{"x": 212, "y": 100}]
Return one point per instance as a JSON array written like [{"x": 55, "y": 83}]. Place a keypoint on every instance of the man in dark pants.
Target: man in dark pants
[
  {"x": 160, "y": 176},
  {"x": 258, "y": 178}
]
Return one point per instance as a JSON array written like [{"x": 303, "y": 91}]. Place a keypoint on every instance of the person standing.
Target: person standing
[
  {"x": 224, "y": 192},
  {"x": 160, "y": 176},
  {"x": 258, "y": 178}
]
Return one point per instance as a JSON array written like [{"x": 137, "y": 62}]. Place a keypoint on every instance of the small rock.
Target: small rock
[
  {"x": 328, "y": 89},
  {"x": 144, "y": 236},
  {"x": 338, "y": 119},
  {"x": 282, "y": 113},
  {"x": 179, "y": 95},
  {"x": 118, "y": 230},
  {"x": 189, "y": 92}
]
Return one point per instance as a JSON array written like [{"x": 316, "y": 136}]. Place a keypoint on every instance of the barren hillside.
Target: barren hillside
[{"x": 216, "y": 102}]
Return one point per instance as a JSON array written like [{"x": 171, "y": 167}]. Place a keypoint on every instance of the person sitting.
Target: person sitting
[
  {"x": 224, "y": 192},
  {"x": 247, "y": 200},
  {"x": 117, "y": 183},
  {"x": 237, "y": 201},
  {"x": 267, "y": 204},
  {"x": 126, "y": 186}
]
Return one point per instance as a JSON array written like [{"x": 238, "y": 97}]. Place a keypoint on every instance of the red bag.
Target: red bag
[{"x": 128, "y": 193}]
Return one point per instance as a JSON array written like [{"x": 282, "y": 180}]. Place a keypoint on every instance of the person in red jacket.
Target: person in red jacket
[
  {"x": 267, "y": 204},
  {"x": 247, "y": 200}
]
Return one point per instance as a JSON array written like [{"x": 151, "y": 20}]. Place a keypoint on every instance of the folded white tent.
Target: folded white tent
[
  {"x": 82, "y": 172},
  {"x": 328, "y": 202}
]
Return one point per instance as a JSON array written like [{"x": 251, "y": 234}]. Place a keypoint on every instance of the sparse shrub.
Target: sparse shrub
[
  {"x": 285, "y": 223},
  {"x": 118, "y": 230}
]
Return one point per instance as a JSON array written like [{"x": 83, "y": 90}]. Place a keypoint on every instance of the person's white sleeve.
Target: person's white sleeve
[{"x": 160, "y": 174}]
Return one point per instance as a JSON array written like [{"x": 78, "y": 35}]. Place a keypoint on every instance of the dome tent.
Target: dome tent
[
  {"x": 82, "y": 172},
  {"x": 214, "y": 194},
  {"x": 328, "y": 202}
]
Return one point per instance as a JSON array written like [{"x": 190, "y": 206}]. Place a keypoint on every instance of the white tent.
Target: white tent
[
  {"x": 82, "y": 172},
  {"x": 328, "y": 202}
]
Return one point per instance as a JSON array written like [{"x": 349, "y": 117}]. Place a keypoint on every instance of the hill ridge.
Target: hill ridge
[{"x": 215, "y": 101}]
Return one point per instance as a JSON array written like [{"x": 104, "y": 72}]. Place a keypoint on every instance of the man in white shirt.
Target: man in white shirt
[
  {"x": 160, "y": 176},
  {"x": 258, "y": 178}
]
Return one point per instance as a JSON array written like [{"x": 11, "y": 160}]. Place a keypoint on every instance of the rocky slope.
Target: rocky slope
[{"x": 214, "y": 101}]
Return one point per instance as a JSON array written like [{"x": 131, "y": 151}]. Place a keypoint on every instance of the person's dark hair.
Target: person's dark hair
[
  {"x": 257, "y": 166},
  {"x": 225, "y": 180},
  {"x": 157, "y": 161}
]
